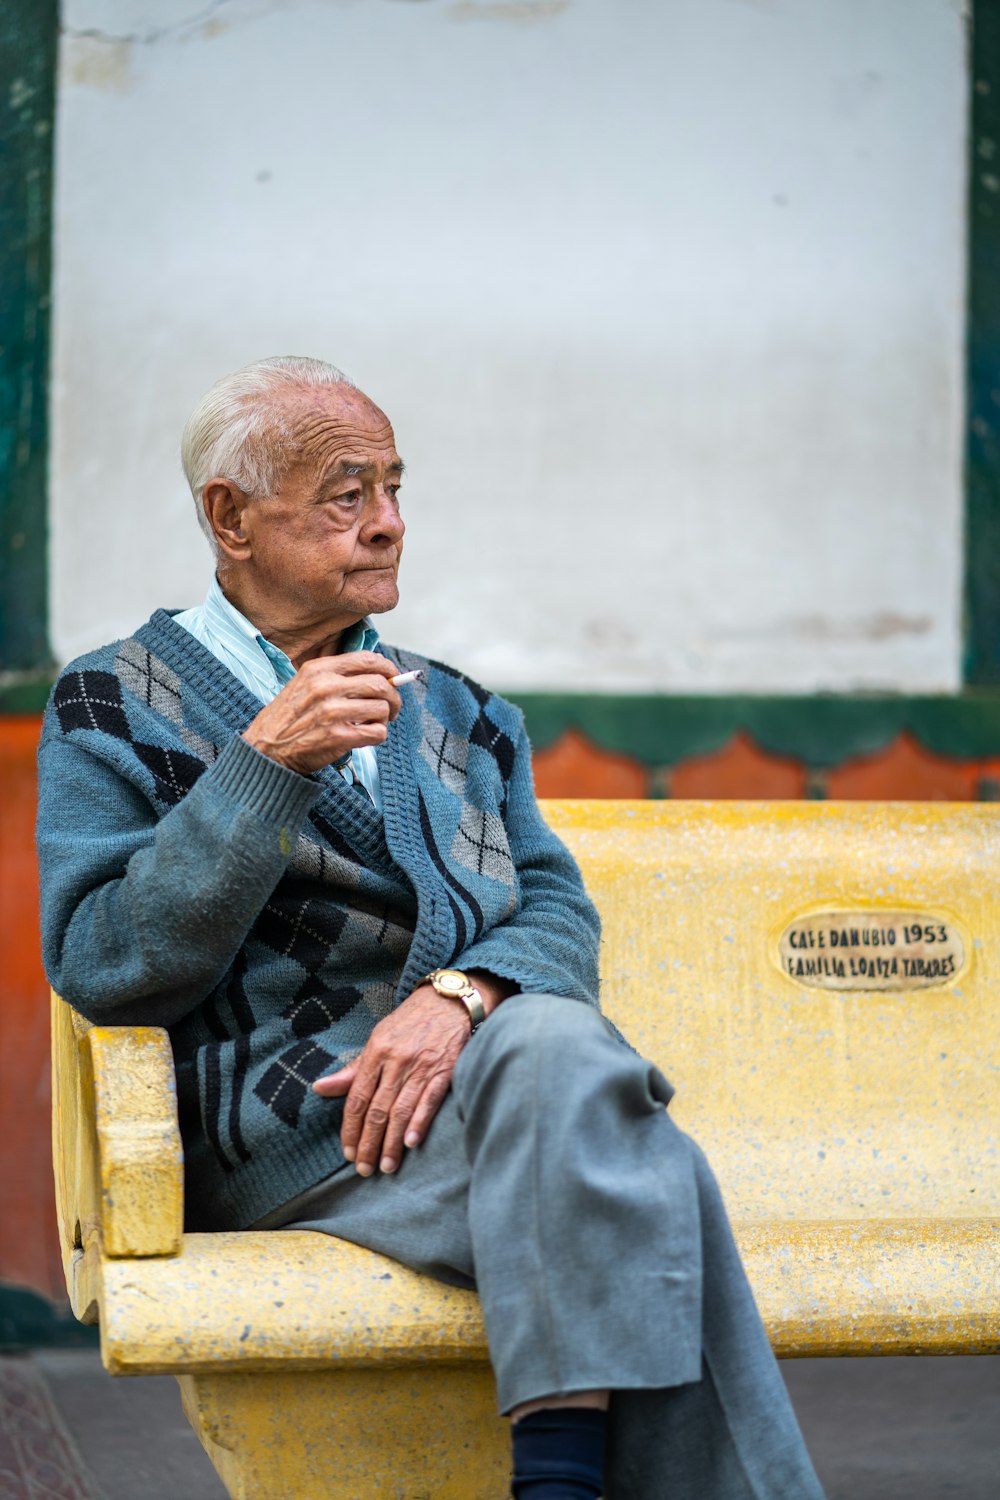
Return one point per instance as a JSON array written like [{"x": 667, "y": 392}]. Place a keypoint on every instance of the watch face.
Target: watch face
[{"x": 451, "y": 981}]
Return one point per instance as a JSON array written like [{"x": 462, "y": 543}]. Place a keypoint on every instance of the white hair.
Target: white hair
[{"x": 241, "y": 433}]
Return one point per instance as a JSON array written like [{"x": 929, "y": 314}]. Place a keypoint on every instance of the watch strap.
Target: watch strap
[{"x": 473, "y": 1003}]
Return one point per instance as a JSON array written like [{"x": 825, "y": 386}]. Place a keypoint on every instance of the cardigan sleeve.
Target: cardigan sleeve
[
  {"x": 142, "y": 916},
  {"x": 550, "y": 945}
]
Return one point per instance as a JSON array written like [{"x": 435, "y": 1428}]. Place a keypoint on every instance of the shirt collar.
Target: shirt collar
[{"x": 361, "y": 636}]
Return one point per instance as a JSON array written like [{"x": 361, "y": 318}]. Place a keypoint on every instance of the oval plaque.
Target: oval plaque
[{"x": 871, "y": 950}]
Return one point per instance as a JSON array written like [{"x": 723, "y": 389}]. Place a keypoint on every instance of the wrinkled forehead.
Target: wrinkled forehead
[{"x": 330, "y": 423}]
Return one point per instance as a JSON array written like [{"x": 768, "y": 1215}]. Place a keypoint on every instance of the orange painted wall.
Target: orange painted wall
[
  {"x": 901, "y": 771},
  {"x": 29, "y": 1254}
]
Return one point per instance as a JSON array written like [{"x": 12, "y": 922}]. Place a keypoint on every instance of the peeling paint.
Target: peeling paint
[
  {"x": 880, "y": 626},
  {"x": 97, "y": 62},
  {"x": 19, "y": 93},
  {"x": 205, "y": 16},
  {"x": 519, "y": 11}
]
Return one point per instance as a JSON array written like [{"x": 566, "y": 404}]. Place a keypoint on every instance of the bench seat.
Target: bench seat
[{"x": 296, "y": 1300}]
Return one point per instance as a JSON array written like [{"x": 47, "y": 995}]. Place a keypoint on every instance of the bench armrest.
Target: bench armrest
[
  {"x": 139, "y": 1145},
  {"x": 119, "y": 1164}
]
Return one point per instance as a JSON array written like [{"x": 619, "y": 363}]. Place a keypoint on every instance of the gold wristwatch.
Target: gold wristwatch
[{"x": 455, "y": 985}]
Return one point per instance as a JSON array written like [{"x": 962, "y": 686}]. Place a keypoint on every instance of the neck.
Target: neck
[{"x": 301, "y": 640}]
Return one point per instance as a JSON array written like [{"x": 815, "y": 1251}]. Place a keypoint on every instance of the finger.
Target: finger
[
  {"x": 430, "y": 1102},
  {"x": 365, "y": 734},
  {"x": 336, "y": 1084},
  {"x": 399, "y": 1118},
  {"x": 358, "y": 1099},
  {"x": 367, "y": 685},
  {"x": 364, "y": 661},
  {"x": 379, "y": 689},
  {"x": 369, "y": 1151},
  {"x": 360, "y": 711},
  {"x": 343, "y": 738}
]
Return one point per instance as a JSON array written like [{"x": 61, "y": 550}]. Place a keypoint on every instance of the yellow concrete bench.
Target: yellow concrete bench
[{"x": 822, "y": 984}]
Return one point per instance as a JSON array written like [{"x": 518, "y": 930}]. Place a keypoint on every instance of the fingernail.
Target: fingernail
[
  {"x": 387, "y": 1164},
  {"x": 412, "y": 1139},
  {"x": 365, "y": 1169},
  {"x": 349, "y": 1153}
]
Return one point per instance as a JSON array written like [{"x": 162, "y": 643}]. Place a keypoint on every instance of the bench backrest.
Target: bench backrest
[{"x": 821, "y": 983}]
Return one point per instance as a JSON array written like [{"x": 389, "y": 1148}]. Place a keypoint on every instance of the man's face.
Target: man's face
[{"x": 326, "y": 546}]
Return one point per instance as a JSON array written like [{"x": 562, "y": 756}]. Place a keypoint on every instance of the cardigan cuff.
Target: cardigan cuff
[{"x": 261, "y": 786}]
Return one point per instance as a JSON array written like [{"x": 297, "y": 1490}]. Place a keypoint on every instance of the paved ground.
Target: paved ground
[{"x": 892, "y": 1429}]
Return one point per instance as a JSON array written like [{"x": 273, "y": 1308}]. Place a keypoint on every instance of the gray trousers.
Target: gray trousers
[{"x": 554, "y": 1181}]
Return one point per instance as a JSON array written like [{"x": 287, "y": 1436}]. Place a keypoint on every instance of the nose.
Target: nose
[{"x": 385, "y": 525}]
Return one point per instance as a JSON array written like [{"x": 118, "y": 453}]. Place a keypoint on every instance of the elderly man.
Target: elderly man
[{"x": 378, "y": 967}]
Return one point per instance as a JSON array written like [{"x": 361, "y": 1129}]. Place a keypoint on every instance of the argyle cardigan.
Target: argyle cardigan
[{"x": 268, "y": 920}]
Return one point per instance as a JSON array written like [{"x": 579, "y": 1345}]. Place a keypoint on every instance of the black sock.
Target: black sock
[{"x": 559, "y": 1454}]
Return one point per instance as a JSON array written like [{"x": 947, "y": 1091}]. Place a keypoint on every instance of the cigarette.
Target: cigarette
[{"x": 402, "y": 678}]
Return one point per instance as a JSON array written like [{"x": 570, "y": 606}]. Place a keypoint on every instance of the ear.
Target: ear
[{"x": 224, "y": 505}]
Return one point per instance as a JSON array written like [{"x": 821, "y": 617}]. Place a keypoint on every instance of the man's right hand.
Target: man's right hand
[{"x": 333, "y": 705}]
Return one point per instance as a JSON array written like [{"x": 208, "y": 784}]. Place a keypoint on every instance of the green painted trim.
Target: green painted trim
[
  {"x": 30, "y": 1321},
  {"x": 28, "y": 39},
  {"x": 24, "y": 692},
  {"x": 982, "y": 463},
  {"x": 820, "y": 731}
]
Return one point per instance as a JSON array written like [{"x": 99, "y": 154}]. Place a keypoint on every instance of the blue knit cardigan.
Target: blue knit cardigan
[{"x": 268, "y": 919}]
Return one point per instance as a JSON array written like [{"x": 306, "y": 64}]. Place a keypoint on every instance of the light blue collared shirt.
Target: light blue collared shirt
[{"x": 265, "y": 669}]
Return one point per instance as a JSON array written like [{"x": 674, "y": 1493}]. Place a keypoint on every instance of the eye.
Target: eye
[{"x": 393, "y": 490}]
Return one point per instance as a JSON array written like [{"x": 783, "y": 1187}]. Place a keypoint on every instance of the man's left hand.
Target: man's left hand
[{"x": 396, "y": 1086}]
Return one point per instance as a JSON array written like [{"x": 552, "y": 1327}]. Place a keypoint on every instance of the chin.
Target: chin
[{"x": 380, "y": 598}]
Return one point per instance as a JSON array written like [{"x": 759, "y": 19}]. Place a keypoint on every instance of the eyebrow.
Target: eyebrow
[{"x": 346, "y": 470}]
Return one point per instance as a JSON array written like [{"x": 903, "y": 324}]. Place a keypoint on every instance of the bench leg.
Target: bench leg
[{"x": 416, "y": 1433}]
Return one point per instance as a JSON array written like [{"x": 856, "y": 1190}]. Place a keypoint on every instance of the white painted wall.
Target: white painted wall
[{"x": 664, "y": 297}]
